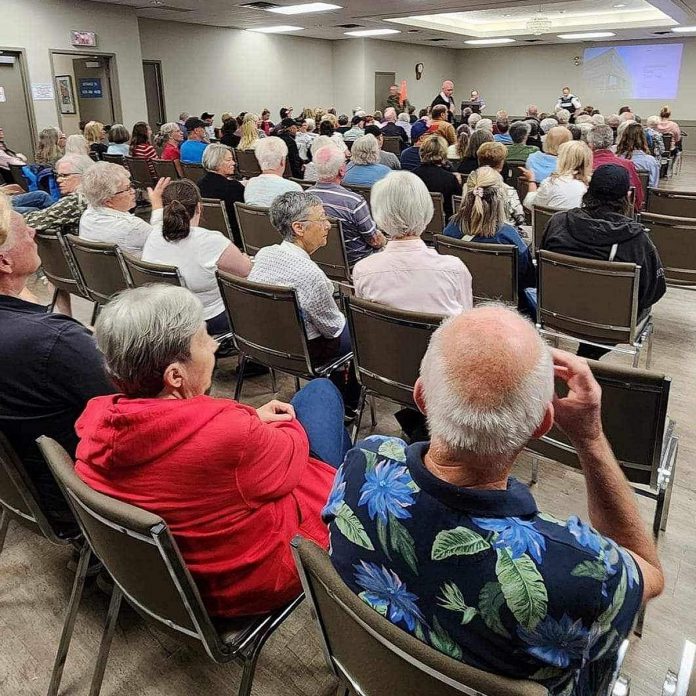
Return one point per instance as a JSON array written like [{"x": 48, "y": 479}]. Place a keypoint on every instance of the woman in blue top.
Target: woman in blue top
[
  {"x": 633, "y": 145},
  {"x": 543, "y": 164},
  {"x": 365, "y": 169},
  {"x": 481, "y": 218}
]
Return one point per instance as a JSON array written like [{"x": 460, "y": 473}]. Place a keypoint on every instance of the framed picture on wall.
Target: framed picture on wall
[
  {"x": 66, "y": 94},
  {"x": 83, "y": 38}
]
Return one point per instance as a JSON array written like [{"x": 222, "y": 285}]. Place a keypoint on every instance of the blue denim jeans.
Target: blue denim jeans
[
  {"x": 319, "y": 408},
  {"x": 29, "y": 202}
]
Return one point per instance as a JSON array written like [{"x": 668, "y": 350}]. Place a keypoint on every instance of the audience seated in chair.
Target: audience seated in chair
[
  {"x": 458, "y": 150},
  {"x": 356, "y": 130},
  {"x": 50, "y": 367},
  {"x": 365, "y": 168},
  {"x": 360, "y": 234},
  {"x": 543, "y": 164},
  {"x": 665, "y": 125},
  {"x": 440, "y": 124},
  {"x": 408, "y": 274},
  {"x": 604, "y": 229},
  {"x": 470, "y": 160},
  {"x": 95, "y": 134},
  {"x": 433, "y": 155},
  {"x": 51, "y": 146},
  {"x": 178, "y": 240},
  {"x": 388, "y": 159},
  {"x": 169, "y": 139},
  {"x": 518, "y": 150},
  {"x": 287, "y": 132},
  {"x": 390, "y": 128},
  {"x": 493, "y": 155},
  {"x": 110, "y": 196},
  {"x": 192, "y": 149},
  {"x": 262, "y": 190},
  {"x": 473, "y": 568},
  {"x": 118, "y": 140},
  {"x": 234, "y": 483},
  {"x": 8, "y": 156},
  {"x": 633, "y": 145}
]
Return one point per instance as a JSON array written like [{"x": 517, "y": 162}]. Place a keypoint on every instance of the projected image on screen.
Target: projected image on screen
[{"x": 634, "y": 72}]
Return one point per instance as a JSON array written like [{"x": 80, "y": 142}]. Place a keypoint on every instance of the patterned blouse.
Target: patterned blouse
[
  {"x": 481, "y": 575},
  {"x": 64, "y": 213}
]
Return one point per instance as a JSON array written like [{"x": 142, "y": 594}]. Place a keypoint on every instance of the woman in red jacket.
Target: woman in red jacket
[{"x": 234, "y": 483}]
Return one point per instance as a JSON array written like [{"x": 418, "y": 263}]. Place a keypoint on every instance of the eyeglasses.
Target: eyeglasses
[
  {"x": 69, "y": 174},
  {"x": 322, "y": 220},
  {"x": 125, "y": 190}
]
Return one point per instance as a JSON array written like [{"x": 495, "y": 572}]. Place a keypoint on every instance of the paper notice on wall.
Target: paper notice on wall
[
  {"x": 3, "y": 98},
  {"x": 42, "y": 91}
]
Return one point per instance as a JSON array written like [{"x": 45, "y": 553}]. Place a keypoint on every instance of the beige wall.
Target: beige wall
[
  {"x": 512, "y": 77},
  {"x": 41, "y": 25}
]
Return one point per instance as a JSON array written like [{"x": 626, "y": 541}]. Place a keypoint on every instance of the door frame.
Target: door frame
[
  {"x": 26, "y": 84},
  {"x": 113, "y": 78},
  {"x": 161, "y": 85},
  {"x": 374, "y": 80}
]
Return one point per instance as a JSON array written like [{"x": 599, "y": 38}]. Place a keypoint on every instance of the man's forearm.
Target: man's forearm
[{"x": 611, "y": 501}]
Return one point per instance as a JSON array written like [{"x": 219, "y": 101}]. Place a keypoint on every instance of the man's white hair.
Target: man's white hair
[
  {"x": 474, "y": 119},
  {"x": 484, "y": 124},
  {"x": 652, "y": 121},
  {"x": 365, "y": 150},
  {"x": 598, "y": 120},
  {"x": 321, "y": 141},
  {"x": 328, "y": 161},
  {"x": 498, "y": 429},
  {"x": 390, "y": 114},
  {"x": 403, "y": 116},
  {"x": 401, "y": 204},
  {"x": 563, "y": 116},
  {"x": 270, "y": 152},
  {"x": 547, "y": 124}
]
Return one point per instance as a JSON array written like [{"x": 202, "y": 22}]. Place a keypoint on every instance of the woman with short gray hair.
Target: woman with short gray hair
[
  {"x": 365, "y": 169},
  {"x": 300, "y": 219},
  {"x": 110, "y": 196},
  {"x": 408, "y": 274},
  {"x": 235, "y": 484}
]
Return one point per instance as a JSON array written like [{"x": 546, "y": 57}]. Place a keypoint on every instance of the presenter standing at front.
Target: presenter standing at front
[
  {"x": 445, "y": 97},
  {"x": 568, "y": 101}
]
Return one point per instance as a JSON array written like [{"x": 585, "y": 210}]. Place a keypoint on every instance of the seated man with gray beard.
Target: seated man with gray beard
[{"x": 444, "y": 543}]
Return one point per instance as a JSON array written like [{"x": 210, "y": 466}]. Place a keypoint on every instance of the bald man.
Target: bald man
[
  {"x": 441, "y": 540},
  {"x": 445, "y": 97}
]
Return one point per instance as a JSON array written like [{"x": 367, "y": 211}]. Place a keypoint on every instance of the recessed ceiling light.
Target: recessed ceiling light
[
  {"x": 488, "y": 42},
  {"x": 588, "y": 35},
  {"x": 372, "y": 32},
  {"x": 683, "y": 30},
  {"x": 307, "y": 7},
  {"x": 619, "y": 5},
  {"x": 279, "y": 29}
]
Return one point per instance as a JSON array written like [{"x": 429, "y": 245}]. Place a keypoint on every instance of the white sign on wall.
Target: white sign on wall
[
  {"x": 42, "y": 91},
  {"x": 3, "y": 98}
]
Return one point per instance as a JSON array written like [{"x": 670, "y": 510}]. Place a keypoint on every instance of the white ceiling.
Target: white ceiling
[{"x": 449, "y": 22}]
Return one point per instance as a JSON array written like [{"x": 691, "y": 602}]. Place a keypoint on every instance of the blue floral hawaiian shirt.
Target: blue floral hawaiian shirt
[{"x": 481, "y": 575}]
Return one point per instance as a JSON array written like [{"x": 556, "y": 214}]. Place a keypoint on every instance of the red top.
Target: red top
[
  {"x": 233, "y": 490},
  {"x": 144, "y": 151},
  {"x": 170, "y": 152},
  {"x": 600, "y": 157}
]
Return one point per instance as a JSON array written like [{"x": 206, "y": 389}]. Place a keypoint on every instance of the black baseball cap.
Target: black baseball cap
[
  {"x": 194, "y": 122},
  {"x": 289, "y": 122},
  {"x": 610, "y": 182},
  {"x": 205, "y": 114},
  {"x": 357, "y": 119}
]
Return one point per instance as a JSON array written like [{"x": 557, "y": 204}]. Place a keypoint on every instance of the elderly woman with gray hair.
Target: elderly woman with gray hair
[
  {"x": 408, "y": 274},
  {"x": 235, "y": 484},
  {"x": 302, "y": 222},
  {"x": 110, "y": 197},
  {"x": 365, "y": 169}
]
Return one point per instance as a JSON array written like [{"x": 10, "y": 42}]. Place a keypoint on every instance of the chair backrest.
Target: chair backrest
[
  {"x": 145, "y": 273},
  {"x": 255, "y": 227},
  {"x": 675, "y": 239},
  {"x": 18, "y": 496},
  {"x": 332, "y": 257},
  {"x": 18, "y": 176},
  {"x": 644, "y": 183},
  {"x": 58, "y": 264},
  {"x": 214, "y": 217},
  {"x": 540, "y": 218},
  {"x": 388, "y": 346},
  {"x": 192, "y": 171},
  {"x": 302, "y": 182},
  {"x": 247, "y": 164},
  {"x": 634, "y": 413},
  {"x": 141, "y": 176},
  {"x": 267, "y": 323},
  {"x": 456, "y": 203},
  {"x": 674, "y": 203},
  {"x": 513, "y": 174},
  {"x": 588, "y": 299},
  {"x": 437, "y": 222},
  {"x": 165, "y": 168},
  {"x": 392, "y": 143},
  {"x": 370, "y": 652},
  {"x": 101, "y": 268},
  {"x": 667, "y": 142},
  {"x": 139, "y": 553},
  {"x": 364, "y": 191},
  {"x": 493, "y": 267},
  {"x": 114, "y": 159}
]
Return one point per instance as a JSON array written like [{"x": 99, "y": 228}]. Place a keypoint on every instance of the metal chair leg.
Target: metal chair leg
[
  {"x": 105, "y": 645},
  {"x": 638, "y": 630},
  {"x": 95, "y": 313},
  {"x": 4, "y": 524},
  {"x": 69, "y": 623},
  {"x": 648, "y": 359},
  {"x": 297, "y": 384},
  {"x": 636, "y": 357},
  {"x": 373, "y": 417},
  {"x": 358, "y": 418},
  {"x": 535, "y": 471},
  {"x": 248, "y": 674},
  {"x": 240, "y": 377},
  {"x": 274, "y": 388}
]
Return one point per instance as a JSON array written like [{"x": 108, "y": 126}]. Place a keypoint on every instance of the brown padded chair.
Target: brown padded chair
[
  {"x": 674, "y": 203},
  {"x": 192, "y": 171},
  {"x": 302, "y": 182},
  {"x": 214, "y": 217},
  {"x": 392, "y": 143},
  {"x": 594, "y": 302},
  {"x": 373, "y": 657},
  {"x": 512, "y": 176},
  {"x": 19, "y": 502},
  {"x": 114, "y": 159},
  {"x": 493, "y": 267},
  {"x": 267, "y": 326},
  {"x": 101, "y": 269},
  {"x": 388, "y": 346},
  {"x": 141, "y": 176},
  {"x": 456, "y": 203},
  {"x": 437, "y": 222},
  {"x": 165, "y": 169},
  {"x": 364, "y": 191},
  {"x": 247, "y": 164},
  {"x": 145, "y": 273},
  {"x": 18, "y": 176},
  {"x": 255, "y": 228},
  {"x": 540, "y": 218},
  {"x": 675, "y": 240},
  {"x": 141, "y": 555},
  {"x": 644, "y": 184},
  {"x": 332, "y": 257}
]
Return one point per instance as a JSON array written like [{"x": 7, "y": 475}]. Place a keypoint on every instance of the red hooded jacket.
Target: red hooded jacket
[{"x": 233, "y": 489}]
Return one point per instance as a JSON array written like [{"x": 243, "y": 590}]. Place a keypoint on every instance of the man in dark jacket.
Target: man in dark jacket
[
  {"x": 603, "y": 229},
  {"x": 445, "y": 98},
  {"x": 287, "y": 132}
]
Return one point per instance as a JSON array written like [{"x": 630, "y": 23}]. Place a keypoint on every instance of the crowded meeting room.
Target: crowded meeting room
[{"x": 302, "y": 303}]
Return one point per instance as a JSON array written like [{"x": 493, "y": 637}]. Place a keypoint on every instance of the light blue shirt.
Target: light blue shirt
[
  {"x": 118, "y": 149},
  {"x": 365, "y": 174},
  {"x": 191, "y": 151},
  {"x": 647, "y": 163},
  {"x": 542, "y": 165},
  {"x": 503, "y": 138}
]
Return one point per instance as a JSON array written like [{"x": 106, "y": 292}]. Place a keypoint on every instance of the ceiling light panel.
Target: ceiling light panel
[
  {"x": 488, "y": 42},
  {"x": 279, "y": 29},
  {"x": 305, "y": 9},
  {"x": 683, "y": 30},
  {"x": 588, "y": 35},
  {"x": 372, "y": 32}
]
